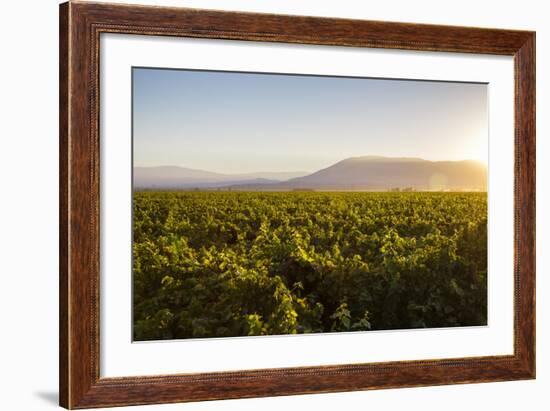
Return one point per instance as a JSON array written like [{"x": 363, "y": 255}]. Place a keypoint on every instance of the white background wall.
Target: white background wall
[{"x": 29, "y": 191}]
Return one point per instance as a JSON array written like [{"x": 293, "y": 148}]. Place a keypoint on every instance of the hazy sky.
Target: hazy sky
[{"x": 245, "y": 122}]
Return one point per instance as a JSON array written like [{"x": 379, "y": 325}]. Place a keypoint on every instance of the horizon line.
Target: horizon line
[{"x": 483, "y": 163}]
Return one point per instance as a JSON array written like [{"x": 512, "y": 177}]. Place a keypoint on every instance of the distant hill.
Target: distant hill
[
  {"x": 173, "y": 177},
  {"x": 386, "y": 173},
  {"x": 354, "y": 173}
]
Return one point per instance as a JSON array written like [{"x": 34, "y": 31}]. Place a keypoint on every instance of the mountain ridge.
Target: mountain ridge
[
  {"x": 378, "y": 173},
  {"x": 352, "y": 173},
  {"x": 185, "y": 177}
]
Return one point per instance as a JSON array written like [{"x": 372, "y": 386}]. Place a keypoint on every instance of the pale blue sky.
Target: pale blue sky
[{"x": 248, "y": 122}]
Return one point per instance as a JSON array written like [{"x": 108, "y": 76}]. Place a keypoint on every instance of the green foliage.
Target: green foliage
[{"x": 220, "y": 264}]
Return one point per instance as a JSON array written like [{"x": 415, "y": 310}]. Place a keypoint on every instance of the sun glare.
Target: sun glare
[{"x": 480, "y": 150}]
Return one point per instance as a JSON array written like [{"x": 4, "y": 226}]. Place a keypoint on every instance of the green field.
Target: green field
[{"x": 220, "y": 264}]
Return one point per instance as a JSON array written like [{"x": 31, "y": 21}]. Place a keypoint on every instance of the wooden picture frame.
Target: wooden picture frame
[{"x": 80, "y": 27}]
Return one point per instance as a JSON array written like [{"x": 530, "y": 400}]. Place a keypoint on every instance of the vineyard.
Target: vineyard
[{"x": 221, "y": 264}]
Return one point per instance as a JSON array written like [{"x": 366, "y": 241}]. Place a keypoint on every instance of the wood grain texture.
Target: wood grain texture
[
  {"x": 525, "y": 203},
  {"x": 63, "y": 205},
  {"x": 80, "y": 27}
]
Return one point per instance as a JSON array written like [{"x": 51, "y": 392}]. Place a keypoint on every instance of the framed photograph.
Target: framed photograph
[{"x": 258, "y": 205}]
